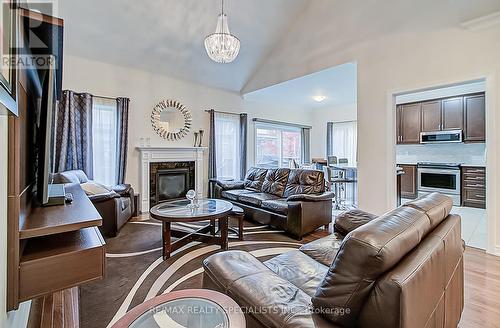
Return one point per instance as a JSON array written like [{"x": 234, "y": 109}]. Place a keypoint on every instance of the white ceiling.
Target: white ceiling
[
  {"x": 338, "y": 84},
  {"x": 166, "y": 36}
]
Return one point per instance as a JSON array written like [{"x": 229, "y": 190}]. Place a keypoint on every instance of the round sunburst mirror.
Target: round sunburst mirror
[{"x": 171, "y": 120}]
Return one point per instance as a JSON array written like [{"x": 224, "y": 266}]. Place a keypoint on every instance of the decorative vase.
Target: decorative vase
[
  {"x": 201, "y": 138},
  {"x": 196, "y": 139}
]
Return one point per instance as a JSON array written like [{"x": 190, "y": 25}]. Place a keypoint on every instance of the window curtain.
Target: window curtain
[
  {"x": 345, "y": 139},
  {"x": 243, "y": 145},
  {"x": 329, "y": 139},
  {"x": 212, "y": 167},
  {"x": 306, "y": 145},
  {"x": 122, "y": 106},
  {"x": 228, "y": 145},
  {"x": 74, "y": 133}
]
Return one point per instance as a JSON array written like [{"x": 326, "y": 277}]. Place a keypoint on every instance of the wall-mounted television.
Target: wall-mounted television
[{"x": 46, "y": 135}]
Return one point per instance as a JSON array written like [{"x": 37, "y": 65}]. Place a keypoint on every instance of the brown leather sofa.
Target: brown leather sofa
[
  {"x": 290, "y": 199},
  {"x": 402, "y": 269},
  {"x": 115, "y": 205}
]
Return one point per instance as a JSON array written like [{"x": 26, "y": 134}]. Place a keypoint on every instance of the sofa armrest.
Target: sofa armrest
[
  {"x": 230, "y": 185},
  {"x": 123, "y": 189},
  {"x": 352, "y": 219},
  {"x": 265, "y": 297},
  {"x": 98, "y": 198},
  {"x": 311, "y": 197}
]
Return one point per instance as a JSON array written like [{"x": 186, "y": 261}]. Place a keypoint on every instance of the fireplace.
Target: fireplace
[{"x": 170, "y": 180}]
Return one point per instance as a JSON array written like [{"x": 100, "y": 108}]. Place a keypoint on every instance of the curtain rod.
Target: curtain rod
[
  {"x": 350, "y": 121},
  {"x": 222, "y": 112},
  {"x": 105, "y": 97},
  {"x": 262, "y": 120}
]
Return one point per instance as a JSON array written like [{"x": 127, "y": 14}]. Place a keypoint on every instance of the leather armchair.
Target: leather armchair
[{"x": 115, "y": 205}]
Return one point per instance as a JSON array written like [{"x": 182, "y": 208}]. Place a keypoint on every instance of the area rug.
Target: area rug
[{"x": 135, "y": 270}]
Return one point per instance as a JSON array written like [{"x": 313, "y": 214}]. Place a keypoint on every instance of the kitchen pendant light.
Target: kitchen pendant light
[{"x": 222, "y": 46}]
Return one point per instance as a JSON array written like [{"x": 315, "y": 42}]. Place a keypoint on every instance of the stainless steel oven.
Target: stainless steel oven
[{"x": 439, "y": 177}]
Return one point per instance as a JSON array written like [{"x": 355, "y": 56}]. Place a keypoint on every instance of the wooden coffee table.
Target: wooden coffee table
[
  {"x": 178, "y": 211},
  {"x": 190, "y": 308}
]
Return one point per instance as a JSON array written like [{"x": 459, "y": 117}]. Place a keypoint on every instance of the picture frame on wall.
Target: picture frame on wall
[{"x": 8, "y": 46}]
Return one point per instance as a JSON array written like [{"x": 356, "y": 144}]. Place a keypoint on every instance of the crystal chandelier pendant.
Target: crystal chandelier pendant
[{"x": 222, "y": 46}]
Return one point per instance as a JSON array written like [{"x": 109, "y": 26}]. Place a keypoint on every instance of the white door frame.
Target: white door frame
[{"x": 492, "y": 210}]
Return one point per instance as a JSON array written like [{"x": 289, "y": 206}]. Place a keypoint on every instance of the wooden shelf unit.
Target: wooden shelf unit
[{"x": 50, "y": 220}]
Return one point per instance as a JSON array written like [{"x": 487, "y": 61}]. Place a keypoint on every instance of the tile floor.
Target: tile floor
[{"x": 473, "y": 225}]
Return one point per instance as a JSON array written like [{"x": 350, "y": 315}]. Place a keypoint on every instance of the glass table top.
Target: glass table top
[
  {"x": 189, "y": 312},
  {"x": 182, "y": 209}
]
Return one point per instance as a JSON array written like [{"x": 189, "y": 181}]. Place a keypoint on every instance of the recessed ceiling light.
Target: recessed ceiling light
[{"x": 319, "y": 98}]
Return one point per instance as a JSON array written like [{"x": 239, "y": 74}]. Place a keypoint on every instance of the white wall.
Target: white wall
[
  {"x": 19, "y": 318},
  {"x": 146, "y": 89},
  {"x": 323, "y": 115},
  {"x": 436, "y": 52}
]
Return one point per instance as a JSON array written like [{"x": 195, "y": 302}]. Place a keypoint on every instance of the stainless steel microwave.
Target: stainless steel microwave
[{"x": 441, "y": 136}]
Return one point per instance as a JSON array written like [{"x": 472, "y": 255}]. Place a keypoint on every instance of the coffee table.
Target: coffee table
[
  {"x": 188, "y": 308},
  {"x": 178, "y": 212}
]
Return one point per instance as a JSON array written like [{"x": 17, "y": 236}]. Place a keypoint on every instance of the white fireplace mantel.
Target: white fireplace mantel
[{"x": 169, "y": 154}]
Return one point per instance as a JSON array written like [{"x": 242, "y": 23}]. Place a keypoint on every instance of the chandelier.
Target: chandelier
[{"x": 222, "y": 46}]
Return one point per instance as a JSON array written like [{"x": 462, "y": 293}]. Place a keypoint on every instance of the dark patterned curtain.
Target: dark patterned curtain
[
  {"x": 243, "y": 145},
  {"x": 212, "y": 168},
  {"x": 122, "y": 105},
  {"x": 74, "y": 133}
]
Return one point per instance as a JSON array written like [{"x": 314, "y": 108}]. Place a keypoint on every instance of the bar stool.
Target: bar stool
[{"x": 340, "y": 185}]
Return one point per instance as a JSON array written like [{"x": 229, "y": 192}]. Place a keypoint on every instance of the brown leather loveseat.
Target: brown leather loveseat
[
  {"x": 115, "y": 204},
  {"x": 402, "y": 269},
  {"x": 290, "y": 199}
]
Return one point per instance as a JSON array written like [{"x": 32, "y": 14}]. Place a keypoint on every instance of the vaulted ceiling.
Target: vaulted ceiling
[{"x": 166, "y": 36}]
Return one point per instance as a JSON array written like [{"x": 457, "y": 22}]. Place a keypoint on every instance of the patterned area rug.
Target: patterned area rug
[{"x": 135, "y": 271}]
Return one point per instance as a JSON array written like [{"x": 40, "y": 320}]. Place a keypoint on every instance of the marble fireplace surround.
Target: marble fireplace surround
[{"x": 169, "y": 154}]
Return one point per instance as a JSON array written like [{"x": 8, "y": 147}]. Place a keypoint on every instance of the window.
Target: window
[
  {"x": 276, "y": 145},
  {"x": 344, "y": 141},
  {"x": 227, "y": 145},
  {"x": 105, "y": 134}
]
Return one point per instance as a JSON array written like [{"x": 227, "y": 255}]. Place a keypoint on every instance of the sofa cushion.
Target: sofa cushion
[
  {"x": 234, "y": 194},
  {"x": 94, "y": 188},
  {"x": 299, "y": 269},
  {"x": 256, "y": 198},
  {"x": 324, "y": 249},
  {"x": 350, "y": 220},
  {"x": 73, "y": 176},
  {"x": 276, "y": 205},
  {"x": 435, "y": 205},
  {"x": 275, "y": 181},
  {"x": 365, "y": 254},
  {"x": 254, "y": 179},
  {"x": 304, "y": 182}
]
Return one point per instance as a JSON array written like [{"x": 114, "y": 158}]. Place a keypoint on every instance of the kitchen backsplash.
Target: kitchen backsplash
[{"x": 472, "y": 154}]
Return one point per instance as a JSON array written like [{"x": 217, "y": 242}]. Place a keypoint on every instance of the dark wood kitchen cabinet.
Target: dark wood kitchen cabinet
[
  {"x": 474, "y": 186},
  {"x": 409, "y": 120},
  {"x": 409, "y": 181},
  {"x": 474, "y": 118},
  {"x": 465, "y": 113},
  {"x": 431, "y": 116},
  {"x": 453, "y": 114}
]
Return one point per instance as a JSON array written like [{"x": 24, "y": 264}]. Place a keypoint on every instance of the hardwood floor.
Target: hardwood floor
[{"x": 482, "y": 290}]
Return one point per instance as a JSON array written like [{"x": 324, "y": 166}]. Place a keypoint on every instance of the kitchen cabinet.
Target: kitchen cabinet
[
  {"x": 410, "y": 122},
  {"x": 474, "y": 186},
  {"x": 453, "y": 114},
  {"x": 408, "y": 181},
  {"x": 431, "y": 116},
  {"x": 465, "y": 113},
  {"x": 474, "y": 118}
]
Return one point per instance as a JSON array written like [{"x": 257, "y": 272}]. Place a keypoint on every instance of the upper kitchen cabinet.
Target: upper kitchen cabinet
[
  {"x": 409, "y": 118},
  {"x": 453, "y": 114},
  {"x": 431, "y": 116},
  {"x": 474, "y": 118},
  {"x": 466, "y": 113}
]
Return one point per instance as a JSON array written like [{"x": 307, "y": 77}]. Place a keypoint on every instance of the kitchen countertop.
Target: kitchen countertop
[{"x": 464, "y": 164}]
